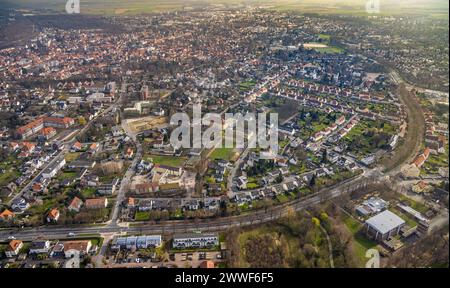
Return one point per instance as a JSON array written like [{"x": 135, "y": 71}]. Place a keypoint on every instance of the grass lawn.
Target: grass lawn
[
  {"x": 168, "y": 160},
  {"x": 361, "y": 243},
  {"x": 282, "y": 198},
  {"x": 142, "y": 216},
  {"x": 409, "y": 220},
  {"x": 325, "y": 37},
  {"x": 252, "y": 185},
  {"x": 305, "y": 191},
  {"x": 362, "y": 145},
  {"x": 97, "y": 241},
  {"x": 434, "y": 162},
  {"x": 330, "y": 50},
  {"x": 2, "y": 249},
  {"x": 7, "y": 177},
  {"x": 352, "y": 225},
  {"x": 71, "y": 156},
  {"x": 110, "y": 177},
  {"x": 67, "y": 175},
  {"x": 247, "y": 85},
  {"x": 283, "y": 143},
  {"x": 88, "y": 192},
  {"x": 223, "y": 153},
  {"x": 422, "y": 208},
  {"x": 298, "y": 169},
  {"x": 177, "y": 214},
  {"x": 45, "y": 207},
  {"x": 25, "y": 248},
  {"x": 309, "y": 125}
]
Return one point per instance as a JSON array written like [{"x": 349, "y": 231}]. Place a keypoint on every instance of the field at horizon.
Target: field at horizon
[{"x": 437, "y": 8}]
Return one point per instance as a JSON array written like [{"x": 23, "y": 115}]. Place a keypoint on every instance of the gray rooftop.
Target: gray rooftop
[
  {"x": 385, "y": 222},
  {"x": 194, "y": 235}
]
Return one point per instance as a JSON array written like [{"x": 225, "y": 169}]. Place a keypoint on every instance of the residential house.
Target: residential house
[
  {"x": 192, "y": 205},
  {"x": 54, "y": 168},
  {"x": 207, "y": 264},
  {"x": 40, "y": 247},
  {"x": 136, "y": 242},
  {"x": 241, "y": 183},
  {"x": 129, "y": 154},
  {"x": 19, "y": 205},
  {"x": 82, "y": 164},
  {"x": 13, "y": 248},
  {"x": 420, "y": 159},
  {"x": 143, "y": 188},
  {"x": 96, "y": 203},
  {"x": 94, "y": 148},
  {"x": 75, "y": 205},
  {"x": 131, "y": 202},
  {"x": 53, "y": 215},
  {"x": 340, "y": 120},
  {"x": 422, "y": 187},
  {"x": 57, "y": 250},
  {"x": 107, "y": 189},
  {"x": 72, "y": 248},
  {"x": 47, "y": 133},
  {"x": 195, "y": 241},
  {"x": 290, "y": 186},
  {"x": 6, "y": 215},
  {"x": 76, "y": 147}
]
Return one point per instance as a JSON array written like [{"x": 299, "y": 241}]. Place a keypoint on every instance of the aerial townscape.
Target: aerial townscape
[{"x": 90, "y": 178}]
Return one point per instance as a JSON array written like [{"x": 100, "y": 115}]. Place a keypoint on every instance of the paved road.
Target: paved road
[
  {"x": 126, "y": 180},
  {"x": 128, "y": 174}
]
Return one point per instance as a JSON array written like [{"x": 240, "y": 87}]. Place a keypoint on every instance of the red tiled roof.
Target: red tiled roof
[
  {"x": 95, "y": 202},
  {"x": 6, "y": 214},
  {"x": 54, "y": 213},
  {"x": 207, "y": 264},
  {"x": 76, "y": 245},
  {"x": 14, "y": 244},
  {"x": 48, "y": 131},
  {"x": 76, "y": 203}
]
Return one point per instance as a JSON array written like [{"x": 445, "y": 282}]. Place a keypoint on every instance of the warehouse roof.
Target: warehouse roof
[{"x": 385, "y": 222}]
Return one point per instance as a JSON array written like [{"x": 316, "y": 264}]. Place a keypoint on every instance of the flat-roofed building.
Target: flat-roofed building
[
  {"x": 384, "y": 225},
  {"x": 54, "y": 168},
  {"x": 136, "y": 242},
  {"x": 195, "y": 240}
]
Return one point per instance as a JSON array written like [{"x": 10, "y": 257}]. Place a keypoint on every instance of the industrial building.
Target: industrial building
[{"x": 384, "y": 225}]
